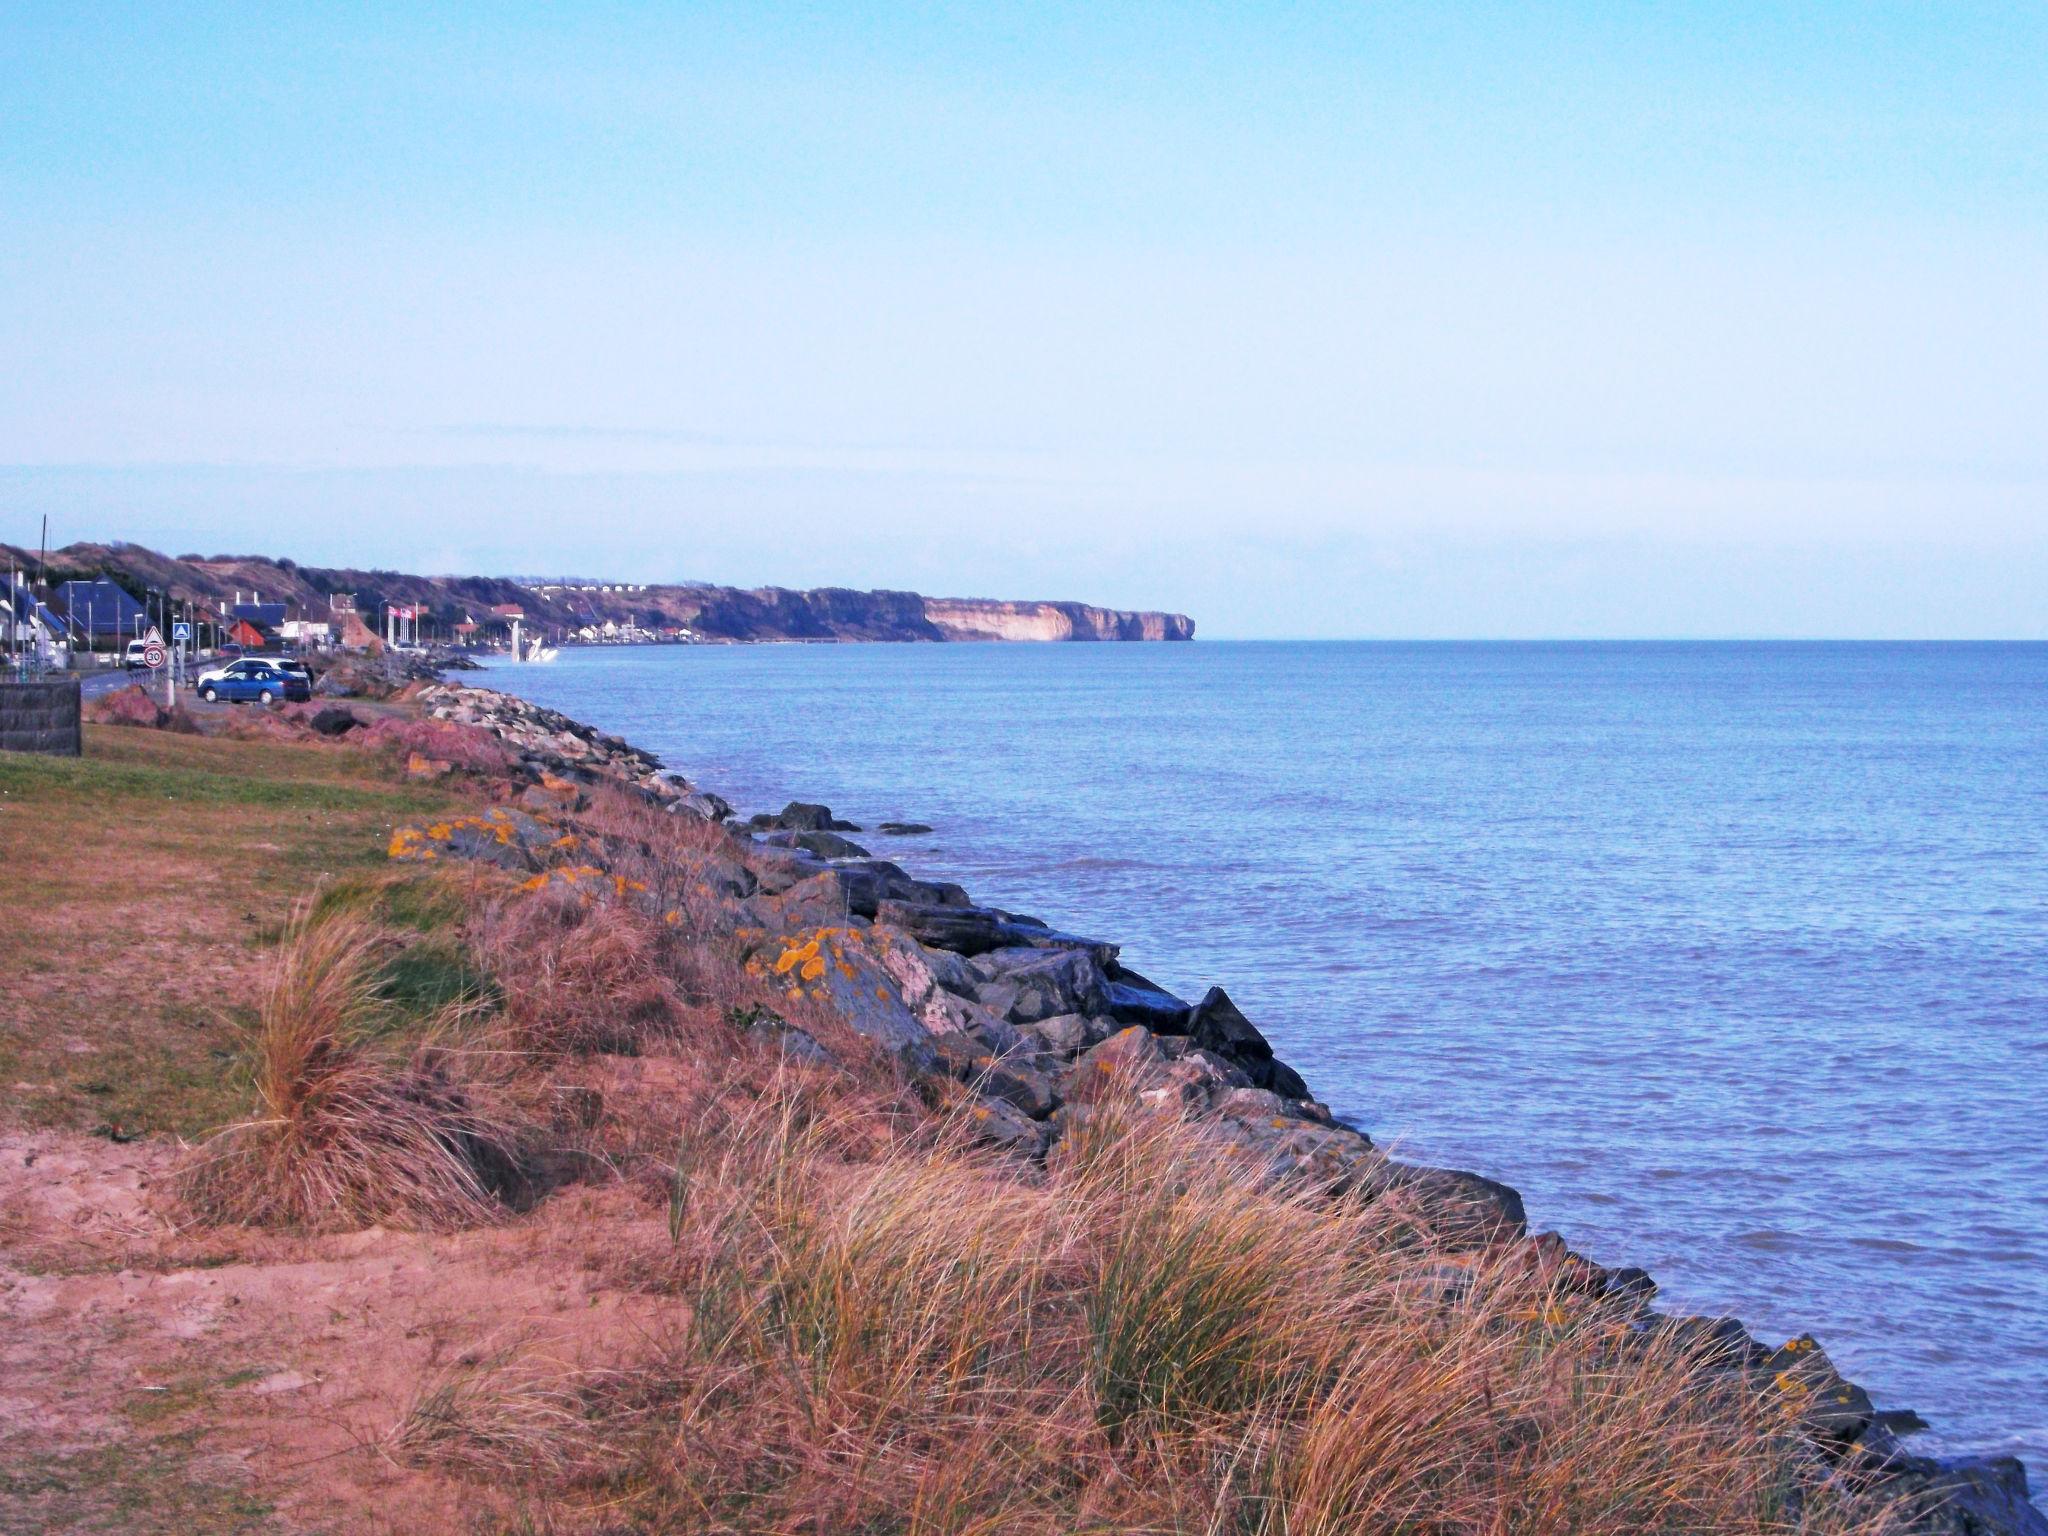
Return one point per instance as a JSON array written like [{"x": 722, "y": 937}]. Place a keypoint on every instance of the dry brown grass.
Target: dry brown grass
[
  {"x": 580, "y": 974},
  {"x": 901, "y": 1333},
  {"x": 346, "y": 1134}
]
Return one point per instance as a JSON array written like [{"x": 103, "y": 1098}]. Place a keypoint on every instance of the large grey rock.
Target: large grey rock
[
  {"x": 780, "y": 868},
  {"x": 1968, "y": 1496},
  {"x": 838, "y": 966},
  {"x": 1013, "y": 1079},
  {"x": 1718, "y": 1341},
  {"x": 977, "y": 930},
  {"x": 1131, "y": 1058},
  {"x": 870, "y": 882},
  {"x": 1216, "y": 1024},
  {"x": 1131, "y": 998},
  {"x": 1069, "y": 1034},
  {"x": 804, "y": 816},
  {"x": 817, "y": 902},
  {"x": 1826, "y": 1404},
  {"x": 1000, "y": 1124},
  {"x": 700, "y": 803},
  {"x": 717, "y": 876},
  {"x": 826, "y": 845},
  {"x": 1463, "y": 1211},
  {"x": 1034, "y": 984},
  {"x": 919, "y": 971}
]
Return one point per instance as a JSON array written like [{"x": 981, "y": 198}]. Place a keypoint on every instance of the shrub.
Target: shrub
[{"x": 346, "y": 1135}]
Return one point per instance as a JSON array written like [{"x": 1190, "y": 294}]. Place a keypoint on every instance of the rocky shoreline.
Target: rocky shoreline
[{"x": 1038, "y": 1024}]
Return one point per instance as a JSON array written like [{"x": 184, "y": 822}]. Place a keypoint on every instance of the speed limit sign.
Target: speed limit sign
[{"x": 153, "y": 655}]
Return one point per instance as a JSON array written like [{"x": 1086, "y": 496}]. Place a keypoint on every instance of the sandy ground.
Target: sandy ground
[{"x": 153, "y": 1380}]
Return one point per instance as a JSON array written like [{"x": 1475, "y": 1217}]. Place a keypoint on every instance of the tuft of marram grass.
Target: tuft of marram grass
[
  {"x": 581, "y": 975},
  {"x": 345, "y": 1135}
]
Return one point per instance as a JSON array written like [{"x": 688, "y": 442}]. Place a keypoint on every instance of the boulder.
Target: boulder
[
  {"x": 968, "y": 930},
  {"x": 818, "y": 902},
  {"x": 917, "y": 971},
  {"x": 1130, "y": 1058},
  {"x": 1069, "y": 1034},
  {"x": 333, "y": 720},
  {"x": 1718, "y": 1341},
  {"x": 1463, "y": 1210},
  {"x": 506, "y": 838},
  {"x": 1825, "y": 1403},
  {"x": 870, "y": 882},
  {"x": 826, "y": 845},
  {"x": 836, "y": 967},
  {"x": 700, "y": 803},
  {"x": 1001, "y": 1124},
  {"x": 1216, "y": 1024},
  {"x": 803, "y": 816},
  {"x": 1016, "y": 1080},
  {"x": 720, "y": 878},
  {"x": 1967, "y": 1496},
  {"x": 463, "y": 746},
  {"x": 1130, "y": 997},
  {"x": 777, "y": 869},
  {"x": 126, "y": 706},
  {"x": 1190, "y": 1081},
  {"x": 903, "y": 828},
  {"x": 1630, "y": 1286},
  {"x": 1026, "y": 984},
  {"x": 936, "y": 985},
  {"x": 797, "y": 1044}
]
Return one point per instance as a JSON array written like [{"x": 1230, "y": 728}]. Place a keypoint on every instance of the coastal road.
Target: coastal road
[{"x": 107, "y": 679}]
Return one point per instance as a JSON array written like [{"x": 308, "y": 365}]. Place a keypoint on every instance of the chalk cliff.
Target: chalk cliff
[{"x": 966, "y": 618}]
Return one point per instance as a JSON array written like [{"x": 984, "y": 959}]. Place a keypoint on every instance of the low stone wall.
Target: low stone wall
[{"x": 41, "y": 717}]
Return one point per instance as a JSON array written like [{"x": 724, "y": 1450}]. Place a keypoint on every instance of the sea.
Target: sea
[{"x": 1732, "y": 958}]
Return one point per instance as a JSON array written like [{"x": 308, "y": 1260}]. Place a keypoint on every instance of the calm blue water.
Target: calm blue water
[{"x": 1732, "y": 958}]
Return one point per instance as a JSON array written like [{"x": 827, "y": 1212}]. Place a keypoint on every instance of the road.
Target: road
[{"x": 106, "y": 680}]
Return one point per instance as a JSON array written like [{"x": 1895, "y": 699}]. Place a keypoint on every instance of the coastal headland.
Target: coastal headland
[
  {"x": 566, "y": 608},
  {"x": 432, "y": 1110}
]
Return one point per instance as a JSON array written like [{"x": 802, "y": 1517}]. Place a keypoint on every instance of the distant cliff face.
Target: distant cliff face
[
  {"x": 967, "y": 618},
  {"x": 712, "y": 613}
]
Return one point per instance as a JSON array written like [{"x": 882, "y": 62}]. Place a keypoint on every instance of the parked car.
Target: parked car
[
  {"x": 286, "y": 664},
  {"x": 252, "y": 681}
]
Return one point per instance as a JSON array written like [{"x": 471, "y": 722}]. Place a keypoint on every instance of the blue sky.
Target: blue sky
[{"x": 1348, "y": 320}]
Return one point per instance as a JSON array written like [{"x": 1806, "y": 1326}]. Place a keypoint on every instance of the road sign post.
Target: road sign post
[{"x": 153, "y": 659}]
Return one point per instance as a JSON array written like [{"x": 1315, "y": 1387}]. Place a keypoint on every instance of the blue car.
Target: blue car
[{"x": 249, "y": 681}]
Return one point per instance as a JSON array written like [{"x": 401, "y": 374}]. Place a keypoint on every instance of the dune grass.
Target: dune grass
[
  {"x": 901, "y": 1332},
  {"x": 348, "y": 1132}
]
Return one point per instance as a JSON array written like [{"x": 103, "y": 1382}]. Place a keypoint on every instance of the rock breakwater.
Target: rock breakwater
[{"x": 1044, "y": 1027}]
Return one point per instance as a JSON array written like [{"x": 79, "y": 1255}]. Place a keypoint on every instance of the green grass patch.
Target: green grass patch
[
  {"x": 434, "y": 975},
  {"x": 148, "y": 1489},
  {"x": 408, "y": 897},
  {"x": 23, "y": 776}
]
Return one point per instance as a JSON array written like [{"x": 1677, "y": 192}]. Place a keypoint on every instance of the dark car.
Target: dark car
[{"x": 257, "y": 682}]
